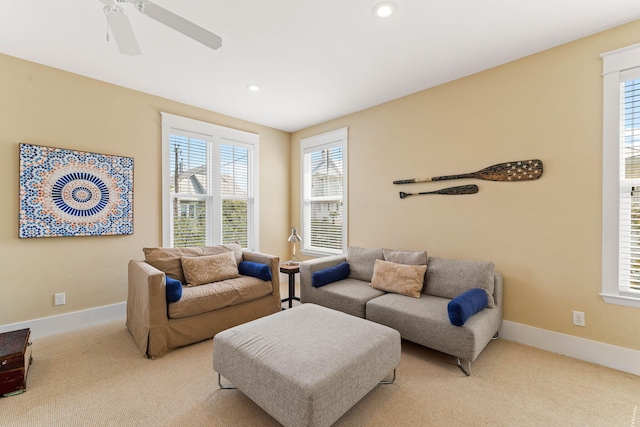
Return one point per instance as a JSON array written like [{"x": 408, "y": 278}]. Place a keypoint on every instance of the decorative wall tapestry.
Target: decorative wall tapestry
[{"x": 74, "y": 193}]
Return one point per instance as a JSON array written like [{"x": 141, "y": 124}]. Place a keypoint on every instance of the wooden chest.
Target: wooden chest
[{"x": 15, "y": 358}]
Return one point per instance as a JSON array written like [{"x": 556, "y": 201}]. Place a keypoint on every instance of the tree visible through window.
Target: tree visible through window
[{"x": 189, "y": 190}]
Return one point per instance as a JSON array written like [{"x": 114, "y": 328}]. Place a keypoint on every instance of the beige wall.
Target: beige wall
[
  {"x": 44, "y": 106},
  {"x": 545, "y": 235}
]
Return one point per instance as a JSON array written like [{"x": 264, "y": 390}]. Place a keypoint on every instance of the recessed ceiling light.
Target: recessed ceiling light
[
  {"x": 253, "y": 88},
  {"x": 385, "y": 9}
]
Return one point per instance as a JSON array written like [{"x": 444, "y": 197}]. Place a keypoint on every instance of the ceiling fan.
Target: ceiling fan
[{"x": 126, "y": 39}]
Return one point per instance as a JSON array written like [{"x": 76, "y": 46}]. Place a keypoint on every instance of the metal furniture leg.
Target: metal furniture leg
[
  {"x": 226, "y": 387},
  {"x": 466, "y": 372},
  {"x": 391, "y": 380}
]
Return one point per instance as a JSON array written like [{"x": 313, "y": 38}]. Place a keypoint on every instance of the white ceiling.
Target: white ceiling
[{"x": 314, "y": 60}]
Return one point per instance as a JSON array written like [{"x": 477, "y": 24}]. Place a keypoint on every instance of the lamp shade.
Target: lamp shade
[{"x": 295, "y": 237}]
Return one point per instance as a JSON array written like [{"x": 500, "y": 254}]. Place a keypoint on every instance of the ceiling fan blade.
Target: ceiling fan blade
[
  {"x": 122, "y": 31},
  {"x": 179, "y": 24}
]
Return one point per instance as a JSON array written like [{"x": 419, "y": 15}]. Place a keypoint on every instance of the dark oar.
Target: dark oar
[
  {"x": 520, "y": 170},
  {"x": 451, "y": 191}
]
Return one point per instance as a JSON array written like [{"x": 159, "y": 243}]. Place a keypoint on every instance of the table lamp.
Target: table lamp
[{"x": 294, "y": 238}]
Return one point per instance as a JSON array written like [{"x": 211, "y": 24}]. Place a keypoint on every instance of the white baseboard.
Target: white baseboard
[
  {"x": 70, "y": 321},
  {"x": 611, "y": 356}
]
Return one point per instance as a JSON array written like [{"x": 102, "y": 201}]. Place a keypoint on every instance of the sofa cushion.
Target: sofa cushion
[
  {"x": 361, "y": 262},
  {"x": 168, "y": 260},
  {"x": 347, "y": 295},
  {"x": 255, "y": 269},
  {"x": 398, "y": 278},
  {"x": 405, "y": 257},
  {"x": 329, "y": 275},
  {"x": 449, "y": 278},
  {"x": 425, "y": 321},
  {"x": 218, "y": 249},
  {"x": 210, "y": 268},
  {"x": 212, "y": 296},
  {"x": 462, "y": 307},
  {"x": 173, "y": 289}
]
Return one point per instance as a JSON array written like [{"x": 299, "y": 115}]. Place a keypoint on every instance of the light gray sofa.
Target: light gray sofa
[{"x": 424, "y": 320}]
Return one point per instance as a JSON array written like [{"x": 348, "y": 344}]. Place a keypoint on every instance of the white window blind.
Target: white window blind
[
  {"x": 630, "y": 186},
  {"x": 208, "y": 174},
  {"x": 324, "y": 187},
  {"x": 621, "y": 177},
  {"x": 236, "y": 191},
  {"x": 190, "y": 190}
]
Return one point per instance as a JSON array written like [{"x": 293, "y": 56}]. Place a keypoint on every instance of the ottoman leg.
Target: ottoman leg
[
  {"x": 389, "y": 381},
  {"x": 231, "y": 387}
]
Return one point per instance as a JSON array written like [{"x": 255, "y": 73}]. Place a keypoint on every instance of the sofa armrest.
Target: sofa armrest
[
  {"x": 307, "y": 268},
  {"x": 147, "y": 295},
  {"x": 274, "y": 265},
  {"x": 498, "y": 289}
]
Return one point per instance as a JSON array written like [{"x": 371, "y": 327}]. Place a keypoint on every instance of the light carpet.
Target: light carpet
[{"x": 97, "y": 377}]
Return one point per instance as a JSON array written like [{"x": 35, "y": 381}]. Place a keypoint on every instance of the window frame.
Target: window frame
[
  {"x": 332, "y": 139},
  {"x": 615, "y": 64},
  {"x": 217, "y": 136}
]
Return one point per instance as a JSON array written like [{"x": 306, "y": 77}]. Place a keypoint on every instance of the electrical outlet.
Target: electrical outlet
[
  {"x": 59, "y": 299},
  {"x": 578, "y": 318}
]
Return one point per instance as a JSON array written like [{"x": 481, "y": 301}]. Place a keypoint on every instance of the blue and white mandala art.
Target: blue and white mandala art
[{"x": 74, "y": 193}]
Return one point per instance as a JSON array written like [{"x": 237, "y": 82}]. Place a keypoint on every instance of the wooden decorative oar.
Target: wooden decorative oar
[
  {"x": 451, "y": 191},
  {"x": 521, "y": 170}
]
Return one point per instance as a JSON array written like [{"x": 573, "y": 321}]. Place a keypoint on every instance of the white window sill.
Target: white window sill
[
  {"x": 319, "y": 254},
  {"x": 621, "y": 300}
]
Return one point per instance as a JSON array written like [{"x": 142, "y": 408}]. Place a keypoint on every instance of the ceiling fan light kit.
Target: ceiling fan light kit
[{"x": 123, "y": 32}]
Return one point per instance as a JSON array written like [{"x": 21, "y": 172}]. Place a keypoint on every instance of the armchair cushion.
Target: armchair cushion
[
  {"x": 208, "y": 269},
  {"x": 329, "y": 275},
  {"x": 174, "y": 289},
  {"x": 255, "y": 269},
  {"x": 168, "y": 260},
  {"x": 462, "y": 307}
]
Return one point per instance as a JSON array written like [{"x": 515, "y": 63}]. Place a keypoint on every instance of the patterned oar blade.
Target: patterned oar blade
[{"x": 521, "y": 170}]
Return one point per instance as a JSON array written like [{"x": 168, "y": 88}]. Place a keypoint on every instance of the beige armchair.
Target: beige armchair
[{"x": 158, "y": 326}]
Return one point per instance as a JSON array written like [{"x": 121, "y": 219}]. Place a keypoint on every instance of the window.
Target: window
[
  {"x": 209, "y": 188},
  {"x": 621, "y": 177},
  {"x": 324, "y": 193}
]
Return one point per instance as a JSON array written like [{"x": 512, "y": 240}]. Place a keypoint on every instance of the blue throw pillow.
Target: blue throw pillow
[
  {"x": 465, "y": 305},
  {"x": 330, "y": 275},
  {"x": 255, "y": 269},
  {"x": 174, "y": 289}
]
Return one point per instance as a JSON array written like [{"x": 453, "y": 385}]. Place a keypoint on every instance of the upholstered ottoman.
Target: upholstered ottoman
[{"x": 308, "y": 365}]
